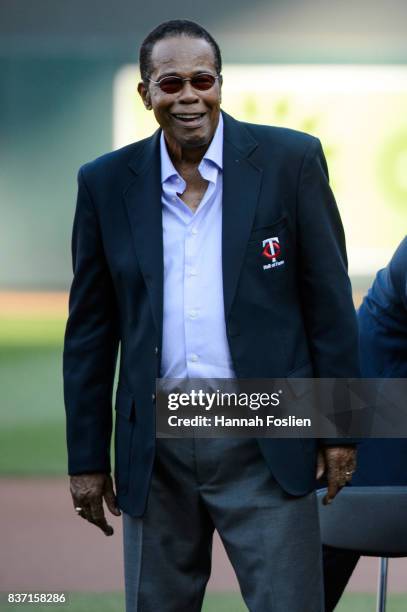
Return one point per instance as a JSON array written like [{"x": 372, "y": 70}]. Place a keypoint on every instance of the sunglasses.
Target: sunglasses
[{"x": 174, "y": 84}]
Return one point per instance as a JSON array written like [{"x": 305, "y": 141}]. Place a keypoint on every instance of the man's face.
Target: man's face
[{"x": 185, "y": 57}]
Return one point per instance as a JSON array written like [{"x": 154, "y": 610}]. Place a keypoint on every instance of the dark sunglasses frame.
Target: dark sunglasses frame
[{"x": 180, "y": 82}]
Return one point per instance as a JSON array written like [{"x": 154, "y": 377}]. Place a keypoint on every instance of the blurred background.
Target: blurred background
[{"x": 68, "y": 77}]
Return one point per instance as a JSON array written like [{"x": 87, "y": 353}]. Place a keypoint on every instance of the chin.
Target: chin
[{"x": 196, "y": 140}]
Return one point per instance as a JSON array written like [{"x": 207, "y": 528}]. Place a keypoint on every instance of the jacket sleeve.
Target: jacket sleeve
[
  {"x": 398, "y": 275},
  {"x": 383, "y": 320},
  {"x": 326, "y": 293},
  {"x": 91, "y": 344}
]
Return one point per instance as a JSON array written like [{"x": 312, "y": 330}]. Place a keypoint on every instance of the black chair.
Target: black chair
[{"x": 369, "y": 520}]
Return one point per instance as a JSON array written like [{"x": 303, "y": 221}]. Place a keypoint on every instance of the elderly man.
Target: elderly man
[{"x": 170, "y": 260}]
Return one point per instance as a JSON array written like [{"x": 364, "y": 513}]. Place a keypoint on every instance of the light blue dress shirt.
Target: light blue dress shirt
[{"x": 194, "y": 334}]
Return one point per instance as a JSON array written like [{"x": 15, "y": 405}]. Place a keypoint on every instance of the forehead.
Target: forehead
[{"x": 182, "y": 54}]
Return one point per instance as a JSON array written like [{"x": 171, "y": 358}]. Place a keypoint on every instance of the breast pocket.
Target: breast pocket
[
  {"x": 258, "y": 234},
  {"x": 268, "y": 246},
  {"x": 124, "y": 434}
]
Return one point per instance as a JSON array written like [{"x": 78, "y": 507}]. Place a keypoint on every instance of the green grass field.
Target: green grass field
[
  {"x": 214, "y": 602},
  {"x": 32, "y": 431},
  {"x": 32, "y": 434}
]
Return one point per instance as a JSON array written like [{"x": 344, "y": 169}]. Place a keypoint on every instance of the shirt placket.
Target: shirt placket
[{"x": 192, "y": 305}]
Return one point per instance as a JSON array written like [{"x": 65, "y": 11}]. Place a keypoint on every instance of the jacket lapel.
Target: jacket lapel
[
  {"x": 143, "y": 203},
  {"x": 241, "y": 188}
]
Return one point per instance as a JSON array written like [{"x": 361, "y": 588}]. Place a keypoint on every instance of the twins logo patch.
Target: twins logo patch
[{"x": 272, "y": 252}]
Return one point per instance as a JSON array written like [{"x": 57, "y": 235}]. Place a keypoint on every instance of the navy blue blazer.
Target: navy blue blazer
[
  {"x": 383, "y": 354},
  {"x": 295, "y": 319}
]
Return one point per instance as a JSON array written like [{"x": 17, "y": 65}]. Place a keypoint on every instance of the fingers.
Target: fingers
[
  {"x": 87, "y": 493},
  {"x": 110, "y": 498},
  {"x": 341, "y": 463},
  {"x": 97, "y": 517},
  {"x": 333, "y": 489},
  {"x": 93, "y": 513},
  {"x": 350, "y": 465}
]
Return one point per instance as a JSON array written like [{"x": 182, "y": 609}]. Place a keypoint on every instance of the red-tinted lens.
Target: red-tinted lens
[
  {"x": 174, "y": 84},
  {"x": 171, "y": 84},
  {"x": 203, "y": 81}
]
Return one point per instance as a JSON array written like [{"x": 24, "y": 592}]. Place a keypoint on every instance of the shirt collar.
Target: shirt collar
[{"x": 214, "y": 154}]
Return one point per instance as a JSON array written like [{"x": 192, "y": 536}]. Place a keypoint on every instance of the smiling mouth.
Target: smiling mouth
[{"x": 188, "y": 117}]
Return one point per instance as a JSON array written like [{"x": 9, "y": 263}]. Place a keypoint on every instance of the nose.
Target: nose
[{"x": 188, "y": 94}]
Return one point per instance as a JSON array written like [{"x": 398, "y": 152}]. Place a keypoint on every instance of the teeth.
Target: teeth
[{"x": 188, "y": 116}]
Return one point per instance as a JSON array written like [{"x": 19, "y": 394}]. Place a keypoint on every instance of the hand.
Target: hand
[
  {"x": 339, "y": 463},
  {"x": 88, "y": 492}
]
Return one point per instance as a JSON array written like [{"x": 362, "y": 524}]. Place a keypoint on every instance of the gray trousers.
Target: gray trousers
[{"x": 272, "y": 539}]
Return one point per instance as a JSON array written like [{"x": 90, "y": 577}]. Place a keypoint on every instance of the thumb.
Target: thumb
[
  {"x": 110, "y": 498},
  {"x": 321, "y": 465}
]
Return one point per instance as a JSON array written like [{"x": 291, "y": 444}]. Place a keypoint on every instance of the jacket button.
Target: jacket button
[
  {"x": 153, "y": 397},
  {"x": 156, "y": 350}
]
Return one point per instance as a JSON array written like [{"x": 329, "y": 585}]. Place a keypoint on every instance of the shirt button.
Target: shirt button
[
  {"x": 193, "y": 273},
  {"x": 194, "y": 231},
  {"x": 194, "y": 357},
  {"x": 174, "y": 199},
  {"x": 193, "y": 314}
]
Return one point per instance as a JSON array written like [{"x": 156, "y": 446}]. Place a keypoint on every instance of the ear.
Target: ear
[
  {"x": 220, "y": 81},
  {"x": 145, "y": 95}
]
